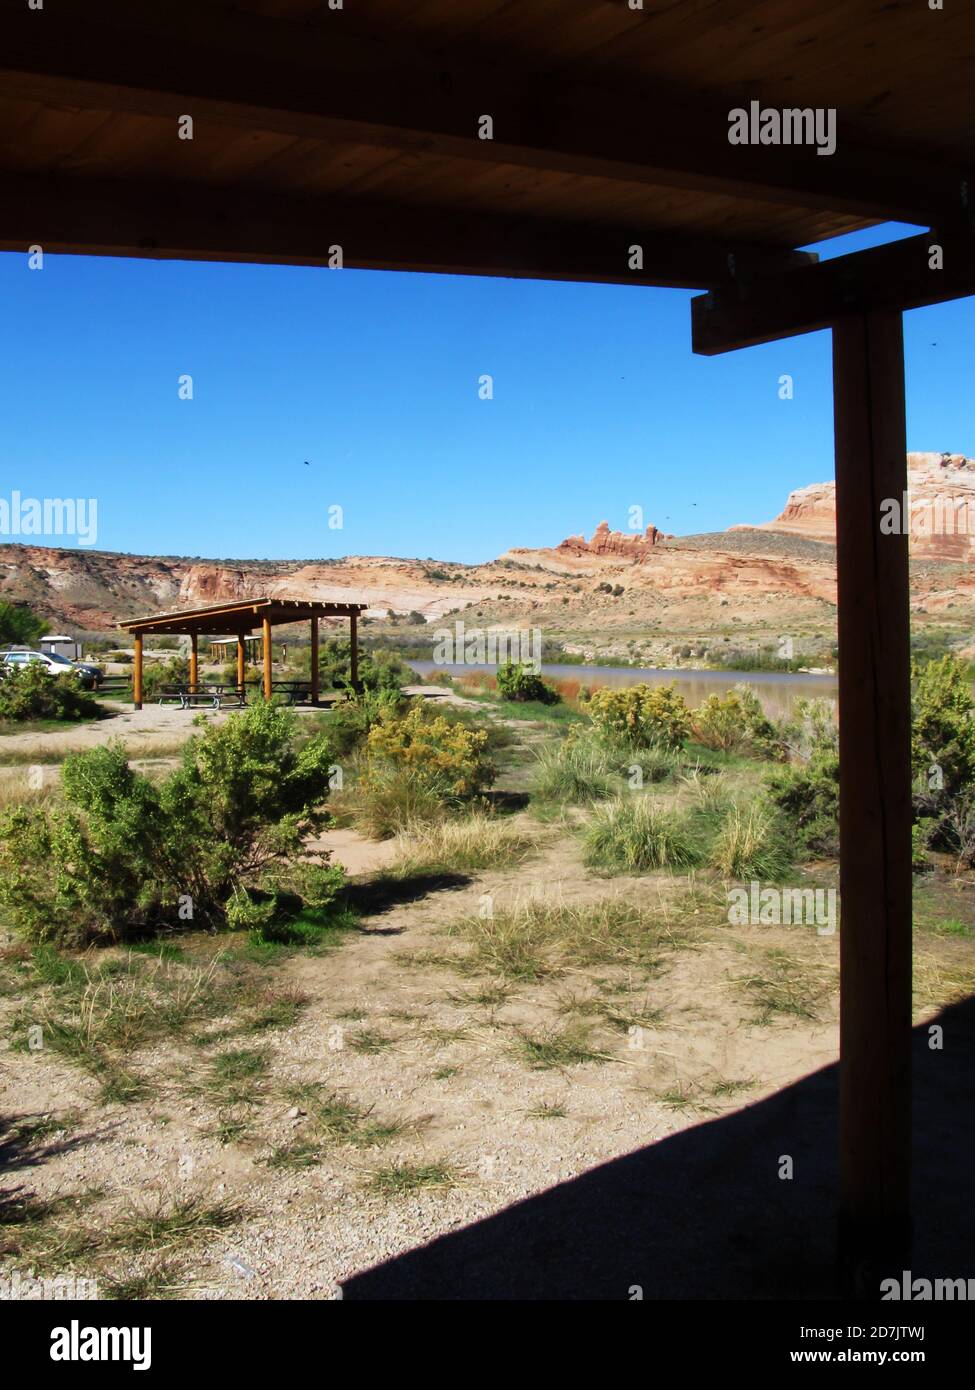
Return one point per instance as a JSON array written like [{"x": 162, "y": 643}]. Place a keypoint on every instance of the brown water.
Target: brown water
[{"x": 777, "y": 690}]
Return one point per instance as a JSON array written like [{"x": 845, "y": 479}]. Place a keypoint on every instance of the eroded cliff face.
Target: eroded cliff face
[
  {"x": 209, "y": 583},
  {"x": 632, "y": 545},
  {"x": 91, "y": 591},
  {"x": 940, "y": 508}
]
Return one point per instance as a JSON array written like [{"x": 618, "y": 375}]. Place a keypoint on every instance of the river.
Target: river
[{"x": 777, "y": 690}]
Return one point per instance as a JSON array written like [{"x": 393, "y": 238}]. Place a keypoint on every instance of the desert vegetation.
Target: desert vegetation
[
  {"x": 30, "y": 695},
  {"x": 529, "y": 965}
]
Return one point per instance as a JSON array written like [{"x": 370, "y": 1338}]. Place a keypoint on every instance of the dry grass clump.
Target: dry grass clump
[
  {"x": 537, "y": 939},
  {"x": 636, "y": 834},
  {"x": 466, "y": 845}
]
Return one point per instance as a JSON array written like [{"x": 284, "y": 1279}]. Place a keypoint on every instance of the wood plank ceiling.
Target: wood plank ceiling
[{"x": 361, "y": 123}]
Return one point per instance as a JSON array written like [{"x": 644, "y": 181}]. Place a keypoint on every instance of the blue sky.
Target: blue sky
[{"x": 372, "y": 377}]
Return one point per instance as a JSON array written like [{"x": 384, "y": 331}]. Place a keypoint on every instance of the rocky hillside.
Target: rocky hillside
[
  {"x": 940, "y": 507},
  {"x": 91, "y": 591},
  {"x": 615, "y": 593}
]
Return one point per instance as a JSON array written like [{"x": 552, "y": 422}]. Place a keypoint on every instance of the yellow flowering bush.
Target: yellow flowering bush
[
  {"x": 446, "y": 757},
  {"x": 736, "y": 720},
  {"x": 641, "y": 714}
]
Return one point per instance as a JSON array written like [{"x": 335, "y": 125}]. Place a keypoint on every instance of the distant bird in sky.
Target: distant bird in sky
[{"x": 307, "y": 464}]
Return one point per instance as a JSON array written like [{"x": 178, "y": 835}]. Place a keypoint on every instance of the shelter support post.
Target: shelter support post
[
  {"x": 194, "y": 662},
  {"x": 241, "y": 661},
  {"x": 266, "y": 642},
  {"x": 137, "y": 672},
  {"x": 875, "y": 799},
  {"x": 314, "y": 661},
  {"x": 354, "y": 651}
]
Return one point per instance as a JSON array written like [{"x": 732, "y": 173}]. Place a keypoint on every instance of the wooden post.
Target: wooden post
[
  {"x": 241, "y": 662},
  {"x": 194, "y": 662},
  {"x": 354, "y": 651},
  {"x": 266, "y": 632},
  {"x": 875, "y": 800},
  {"x": 314, "y": 660},
  {"x": 137, "y": 673}
]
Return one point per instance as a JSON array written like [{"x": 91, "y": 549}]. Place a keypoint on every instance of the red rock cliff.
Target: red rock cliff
[{"x": 627, "y": 545}]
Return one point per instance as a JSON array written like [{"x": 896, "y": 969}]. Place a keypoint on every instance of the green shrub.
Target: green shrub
[
  {"x": 808, "y": 797},
  {"x": 811, "y": 725},
  {"x": 228, "y": 674},
  {"x": 656, "y": 763},
  {"x": 30, "y": 692},
  {"x": 919, "y": 841},
  {"x": 635, "y": 834},
  {"x": 517, "y": 681},
  {"x": 942, "y": 756},
  {"x": 175, "y": 670},
  {"x": 349, "y": 722},
  {"x": 123, "y": 855},
  {"x": 943, "y": 724},
  {"x": 644, "y": 715},
  {"x": 19, "y": 626},
  {"x": 758, "y": 659},
  {"x": 378, "y": 670},
  {"x": 736, "y": 721}
]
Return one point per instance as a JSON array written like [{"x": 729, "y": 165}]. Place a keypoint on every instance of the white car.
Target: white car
[{"x": 53, "y": 663}]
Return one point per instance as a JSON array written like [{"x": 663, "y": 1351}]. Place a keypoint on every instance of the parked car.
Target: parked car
[{"x": 53, "y": 663}]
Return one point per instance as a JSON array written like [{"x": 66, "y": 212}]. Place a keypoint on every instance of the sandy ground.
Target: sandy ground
[
  {"x": 450, "y": 1070},
  {"x": 389, "y": 1025},
  {"x": 142, "y": 730}
]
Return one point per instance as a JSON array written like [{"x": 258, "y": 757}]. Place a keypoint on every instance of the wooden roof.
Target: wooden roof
[
  {"x": 357, "y": 127},
  {"x": 242, "y": 614}
]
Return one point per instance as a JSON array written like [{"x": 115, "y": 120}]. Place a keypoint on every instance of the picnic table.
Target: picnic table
[
  {"x": 295, "y": 692},
  {"x": 208, "y": 695}
]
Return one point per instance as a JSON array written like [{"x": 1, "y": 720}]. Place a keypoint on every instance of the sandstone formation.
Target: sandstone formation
[
  {"x": 778, "y": 574},
  {"x": 940, "y": 508},
  {"x": 627, "y": 545},
  {"x": 91, "y": 591}
]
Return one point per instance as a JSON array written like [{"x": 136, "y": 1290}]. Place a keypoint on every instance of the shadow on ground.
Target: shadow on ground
[
  {"x": 506, "y": 802},
  {"x": 26, "y": 1141},
  {"x": 386, "y": 891},
  {"x": 704, "y": 1214}
]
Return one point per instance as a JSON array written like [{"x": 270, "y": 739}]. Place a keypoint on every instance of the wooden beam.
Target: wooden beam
[
  {"x": 187, "y": 221},
  {"x": 266, "y": 633},
  {"x": 194, "y": 662},
  {"x": 314, "y": 661},
  {"x": 899, "y": 275},
  {"x": 241, "y": 661},
  {"x": 354, "y": 652},
  {"x": 875, "y": 799},
  {"x": 137, "y": 673},
  {"x": 325, "y": 82}
]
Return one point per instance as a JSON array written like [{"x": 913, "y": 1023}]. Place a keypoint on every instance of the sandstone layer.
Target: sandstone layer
[{"x": 940, "y": 508}]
